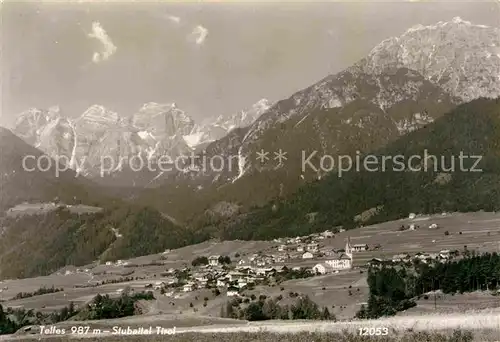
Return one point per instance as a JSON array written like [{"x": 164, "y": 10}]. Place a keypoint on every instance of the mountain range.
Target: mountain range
[
  {"x": 404, "y": 84},
  {"x": 100, "y": 135}
]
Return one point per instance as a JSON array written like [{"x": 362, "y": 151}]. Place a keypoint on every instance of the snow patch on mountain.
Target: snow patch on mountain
[{"x": 194, "y": 139}]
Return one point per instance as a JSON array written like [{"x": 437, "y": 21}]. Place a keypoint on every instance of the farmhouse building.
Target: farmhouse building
[
  {"x": 232, "y": 276},
  {"x": 342, "y": 262},
  {"x": 213, "y": 260},
  {"x": 375, "y": 262},
  {"x": 359, "y": 247},
  {"x": 307, "y": 255},
  {"x": 188, "y": 287},
  {"x": 312, "y": 247},
  {"x": 322, "y": 268}
]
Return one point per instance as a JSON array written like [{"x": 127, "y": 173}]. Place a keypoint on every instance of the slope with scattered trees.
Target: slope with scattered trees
[{"x": 472, "y": 129}]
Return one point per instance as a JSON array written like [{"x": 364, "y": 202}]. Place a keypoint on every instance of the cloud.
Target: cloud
[
  {"x": 108, "y": 48},
  {"x": 174, "y": 18},
  {"x": 199, "y": 33}
]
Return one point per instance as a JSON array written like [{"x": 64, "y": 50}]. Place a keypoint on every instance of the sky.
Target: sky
[{"x": 209, "y": 58}]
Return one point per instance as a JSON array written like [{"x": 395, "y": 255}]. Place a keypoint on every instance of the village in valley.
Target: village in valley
[{"x": 329, "y": 267}]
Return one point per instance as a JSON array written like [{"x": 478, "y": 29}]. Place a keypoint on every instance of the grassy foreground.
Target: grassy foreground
[{"x": 455, "y": 336}]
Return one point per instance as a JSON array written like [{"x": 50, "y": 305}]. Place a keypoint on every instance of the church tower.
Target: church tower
[{"x": 348, "y": 248}]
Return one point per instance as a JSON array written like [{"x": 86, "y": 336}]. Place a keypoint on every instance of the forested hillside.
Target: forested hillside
[
  {"x": 472, "y": 129},
  {"x": 40, "y": 244}
]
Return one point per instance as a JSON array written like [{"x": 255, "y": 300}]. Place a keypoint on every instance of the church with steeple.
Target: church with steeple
[
  {"x": 343, "y": 261},
  {"x": 348, "y": 248}
]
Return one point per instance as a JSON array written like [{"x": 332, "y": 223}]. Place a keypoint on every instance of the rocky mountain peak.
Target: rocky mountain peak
[
  {"x": 162, "y": 119},
  {"x": 30, "y": 122},
  {"x": 461, "y": 57},
  {"x": 99, "y": 115},
  {"x": 244, "y": 117}
]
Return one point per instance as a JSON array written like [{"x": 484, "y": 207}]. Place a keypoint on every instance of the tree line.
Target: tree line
[
  {"x": 12, "y": 320},
  {"x": 105, "y": 307},
  {"x": 264, "y": 308},
  {"x": 100, "y": 307},
  {"x": 41, "y": 291},
  {"x": 394, "y": 288}
]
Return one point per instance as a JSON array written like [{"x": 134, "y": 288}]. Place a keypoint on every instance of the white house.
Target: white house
[
  {"x": 322, "y": 268},
  {"x": 188, "y": 287},
  {"x": 242, "y": 283},
  {"x": 360, "y": 247},
  {"x": 342, "y": 262},
  {"x": 264, "y": 271},
  {"x": 281, "y": 248},
  {"x": 213, "y": 260},
  {"x": 312, "y": 247},
  {"x": 221, "y": 282},
  {"x": 232, "y": 276},
  {"x": 307, "y": 255},
  {"x": 412, "y": 216},
  {"x": 327, "y": 234}
]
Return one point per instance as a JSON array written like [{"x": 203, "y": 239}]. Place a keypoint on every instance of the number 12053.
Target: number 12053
[{"x": 373, "y": 331}]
